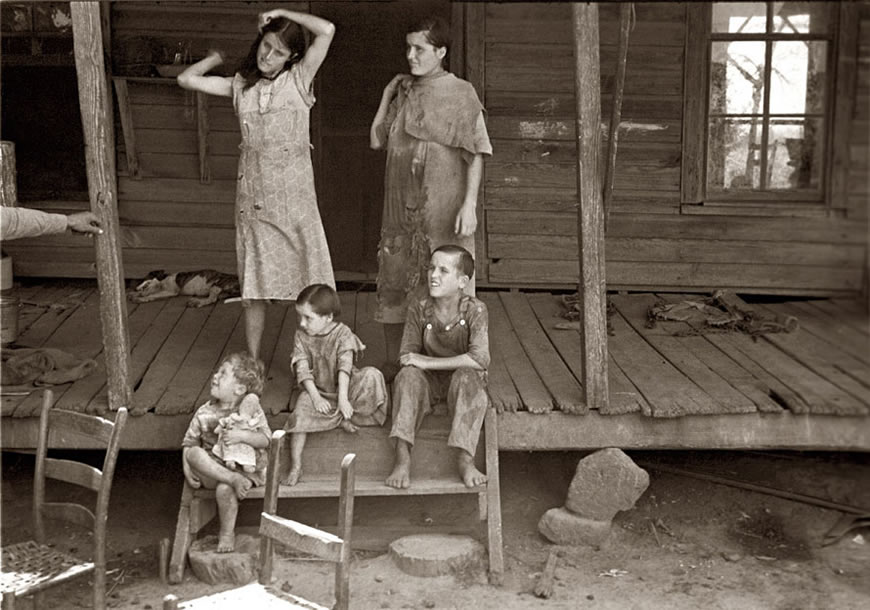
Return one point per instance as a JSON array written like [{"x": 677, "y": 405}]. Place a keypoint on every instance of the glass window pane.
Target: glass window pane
[
  {"x": 733, "y": 154},
  {"x": 737, "y": 77},
  {"x": 801, "y": 17},
  {"x": 794, "y": 154},
  {"x": 797, "y": 80},
  {"x": 740, "y": 17}
]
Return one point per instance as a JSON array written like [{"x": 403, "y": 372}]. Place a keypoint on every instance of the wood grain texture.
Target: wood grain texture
[
  {"x": 725, "y": 398},
  {"x": 590, "y": 217},
  {"x": 564, "y": 388},
  {"x": 96, "y": 115},
  {"x": 694, "y": 161},
  {"x": 503, "y": 340}
]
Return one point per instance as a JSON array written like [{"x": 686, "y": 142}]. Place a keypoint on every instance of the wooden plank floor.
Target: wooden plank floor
[{"x": 822, "y": 369}]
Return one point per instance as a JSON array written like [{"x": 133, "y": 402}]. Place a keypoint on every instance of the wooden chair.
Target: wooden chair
[
  {"x": 31, "y": 567},
  {"x": 296, "y": 536}
]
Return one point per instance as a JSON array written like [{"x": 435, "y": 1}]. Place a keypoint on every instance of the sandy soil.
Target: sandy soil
[{"x": 687, "y": 544}]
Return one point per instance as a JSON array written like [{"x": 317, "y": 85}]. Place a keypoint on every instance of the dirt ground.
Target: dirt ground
[{"x": 687, "y": 544}]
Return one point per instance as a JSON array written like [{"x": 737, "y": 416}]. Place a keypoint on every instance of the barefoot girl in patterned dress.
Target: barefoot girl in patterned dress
[
  {"x": 334, "y": 393},
  {"x": 280, "y": 243}
]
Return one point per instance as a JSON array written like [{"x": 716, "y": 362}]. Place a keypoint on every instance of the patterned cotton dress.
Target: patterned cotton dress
[
  {"x": 320, "y": 358},
  {"x": 280, "y": 243}
]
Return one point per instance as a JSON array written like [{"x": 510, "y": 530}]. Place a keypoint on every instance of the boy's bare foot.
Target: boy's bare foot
[
  {"x": 347, "y": 426},
  {"x": 226, "y": 543},
  {"x": 400, "y": 478},
  {"x": 241, "y": 485},
  {"x": 470, "y": 475},
  {"x": 293, "y": 476}
]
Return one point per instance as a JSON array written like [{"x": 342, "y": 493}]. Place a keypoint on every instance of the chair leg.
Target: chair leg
[
  {"x": 8, "y": 601},
  {"x": 182, "y": 537},
  {"x": 493, "y": 500}
]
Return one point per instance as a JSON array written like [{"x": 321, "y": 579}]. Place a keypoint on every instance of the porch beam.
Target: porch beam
[
  {"x": 97, "y": 124},
  {"x": 590, "y": 214},
  {"x": 625, "y": 12}
]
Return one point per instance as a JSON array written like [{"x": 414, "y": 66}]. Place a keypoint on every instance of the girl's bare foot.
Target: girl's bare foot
[
  {"x": 347, "y": 426},
  {"x": 293, "y": 476},
  {"x": 226, "y": 543},
  {"x": 241, "y": 485},
  {"x": 470, "y": 475}
]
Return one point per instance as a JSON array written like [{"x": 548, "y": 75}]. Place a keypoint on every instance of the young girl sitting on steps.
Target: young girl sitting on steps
[{"x": 334, "y": 392}]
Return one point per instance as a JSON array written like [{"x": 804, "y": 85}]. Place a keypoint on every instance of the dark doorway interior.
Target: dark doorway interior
[{"x": 368, "y": 50}]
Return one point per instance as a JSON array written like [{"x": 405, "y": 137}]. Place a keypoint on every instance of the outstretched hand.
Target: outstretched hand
[{"x": 84, "y": 222}]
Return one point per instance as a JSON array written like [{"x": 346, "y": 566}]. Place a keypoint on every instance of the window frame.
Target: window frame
[{"x": 696, "y": 114}]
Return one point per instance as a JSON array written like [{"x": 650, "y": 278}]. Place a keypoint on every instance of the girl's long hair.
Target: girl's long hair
[{"x": 288, "y": 32}]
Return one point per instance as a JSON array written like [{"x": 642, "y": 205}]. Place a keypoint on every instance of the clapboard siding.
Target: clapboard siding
[
  {"x": 530, "y": 182},
  {"x": 169, "y": 218},
  {"x": 858, "y": 183}
]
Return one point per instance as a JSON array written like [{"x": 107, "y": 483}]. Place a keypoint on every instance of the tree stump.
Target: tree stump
[
  {"x": 238, "y": 567},
  {"x": 436, "y": 554}
]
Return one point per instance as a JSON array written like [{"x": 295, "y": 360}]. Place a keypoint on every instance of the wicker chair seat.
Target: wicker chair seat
[{"x": 28, "y": 567}]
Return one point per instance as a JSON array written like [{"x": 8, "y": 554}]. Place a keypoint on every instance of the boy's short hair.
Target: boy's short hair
[
  {"x": 249, "y": 371},
  {"x": 465, "y": 262},
  {"x": 323, "y": 299}
]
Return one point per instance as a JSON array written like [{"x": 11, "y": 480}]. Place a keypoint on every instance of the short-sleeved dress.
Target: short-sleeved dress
[
  {"x": 433, "y": 129},
  {"x": 320, "y": 358},
  {"x": 280, "y": 243}
]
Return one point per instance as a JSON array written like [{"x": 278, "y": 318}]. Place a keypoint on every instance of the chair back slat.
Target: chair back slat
[
  {"x": 66, "y": 511},
  {"x": 345, "y": 525},
  {"x": 301, "y": 537},
  {"x": 62, "y": 423},
  {"x": 76, "y": 473}
]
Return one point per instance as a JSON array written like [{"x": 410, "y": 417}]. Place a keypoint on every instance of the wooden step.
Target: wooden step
[
  {"x": 430, "y": 459},
  {"x": 325, "y": 487}
]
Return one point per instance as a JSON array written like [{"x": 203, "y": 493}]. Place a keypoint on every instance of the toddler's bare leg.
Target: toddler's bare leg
[
  {"x": 200, "y": 461},
  {"x": 297, "y": 444},
  {"x": 347, "y": 426},
  {"x": 228, "y": 509}
]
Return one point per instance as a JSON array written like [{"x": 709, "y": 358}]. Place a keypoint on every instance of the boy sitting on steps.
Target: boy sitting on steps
[{"x": 444, "y": 355}]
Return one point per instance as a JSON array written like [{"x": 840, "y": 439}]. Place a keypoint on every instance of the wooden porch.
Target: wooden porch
[{"x": 669, "y": 387}]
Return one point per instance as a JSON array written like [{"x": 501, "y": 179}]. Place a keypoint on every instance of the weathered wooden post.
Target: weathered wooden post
[
  {"x": 97, "y": 123},
  {"x": 625, "y": 11},
  {"x": 590, "y": 215},
  {"x": 8, "y": 177}
]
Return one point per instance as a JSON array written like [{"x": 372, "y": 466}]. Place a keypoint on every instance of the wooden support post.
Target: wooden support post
[
  {"x": 8, "y": 175},
  {"x": 98, "y": 124},
  {"x": 475, "y": 73},
  {"x": 625, "y": 11},
  {"x": 202, "y": 137},
  {"x": 844, "y": 103},
  {"x": 590, "y": 216},
  {"x": 126, "y": 114}
]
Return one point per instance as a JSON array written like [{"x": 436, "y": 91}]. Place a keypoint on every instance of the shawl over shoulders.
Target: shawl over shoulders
[{"x": 444, "y": 109}]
